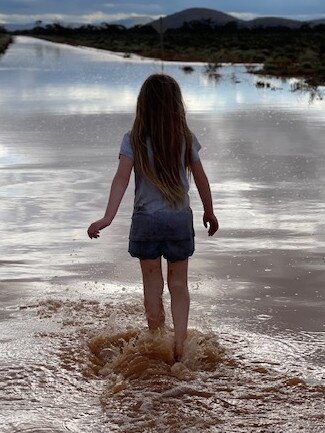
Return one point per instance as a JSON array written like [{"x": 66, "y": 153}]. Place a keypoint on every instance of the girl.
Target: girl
[{"x": 163, "y": 152}]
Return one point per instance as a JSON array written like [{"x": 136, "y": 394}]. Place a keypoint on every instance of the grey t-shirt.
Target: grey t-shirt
[{"x": 153, "y": 218}]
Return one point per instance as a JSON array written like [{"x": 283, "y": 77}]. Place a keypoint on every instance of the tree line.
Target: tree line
[{"x": 283, "y": 51}]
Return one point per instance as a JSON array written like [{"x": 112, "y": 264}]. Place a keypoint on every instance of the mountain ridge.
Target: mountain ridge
[
  {"x": 177, "y": 19},
  {"x": 219, "y": 18}
]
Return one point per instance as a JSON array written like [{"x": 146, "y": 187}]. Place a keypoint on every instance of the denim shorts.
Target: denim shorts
[
  {"x": 162, "y": 225},
  {"x": 171, "y": 250}
]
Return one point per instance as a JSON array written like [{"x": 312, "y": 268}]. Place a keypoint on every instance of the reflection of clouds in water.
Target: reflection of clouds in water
[
  {"x": 241, "y": 211},
  {"x": 4, "y": 154},
  {"x": 83, "y": 98},
  {"x": 240, "y": 97},
  {"x": 100, "y": 98},
  {"x": 80, "y": 80},
  {"x": 266, "y": 173},
  {"x": 204, "y": 101},
  {"x": 262, "y": 152},
  {"x": 264, "y": 159},
  {"x": 46, "y": 203},
  {"x": 7, "y": 155}
]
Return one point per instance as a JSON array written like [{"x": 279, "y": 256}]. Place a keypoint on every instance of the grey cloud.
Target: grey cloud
[{"x": 146, "y": 7}]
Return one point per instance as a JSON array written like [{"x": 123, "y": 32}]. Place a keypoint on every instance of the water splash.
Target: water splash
[
  {"x": 95, "y": 373},
  {"x": 141, "y": 354}
]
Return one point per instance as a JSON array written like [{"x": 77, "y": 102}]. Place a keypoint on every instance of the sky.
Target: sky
[{"x": 94, "y": 11}]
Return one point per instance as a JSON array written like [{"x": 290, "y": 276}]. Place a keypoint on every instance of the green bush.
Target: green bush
[
  {"x": 307, "y": 65},
  {"x": 5, "y": 40}
]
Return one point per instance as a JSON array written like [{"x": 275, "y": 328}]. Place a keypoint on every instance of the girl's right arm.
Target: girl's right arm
[
  {"x": 202, "y": 184},
  {"x": 118, "y": 187}
]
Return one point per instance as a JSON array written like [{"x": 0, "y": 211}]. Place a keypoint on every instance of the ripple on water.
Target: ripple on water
[
  {"x": 208, "y": 390},
  {"x": 37, "y": 426},
  {"x": 98, "y": 375}
]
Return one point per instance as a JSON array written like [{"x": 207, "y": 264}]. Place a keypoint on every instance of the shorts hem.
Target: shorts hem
[
  {"x": 169, "y": 259},
  {"x": 173, "y": 251}
]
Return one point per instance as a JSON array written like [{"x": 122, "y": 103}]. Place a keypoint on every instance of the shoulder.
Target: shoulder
[
  {"x": 195, "y": 148},
  {"x": 195, "y": 141},
  {"x": 127, "y": 136},
  {"x": 126, "y": 147}
]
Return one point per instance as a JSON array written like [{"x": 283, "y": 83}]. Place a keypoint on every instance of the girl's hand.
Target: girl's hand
[
  {"x": 212, "y": 221},
  {"x": 94, "y": 228}
]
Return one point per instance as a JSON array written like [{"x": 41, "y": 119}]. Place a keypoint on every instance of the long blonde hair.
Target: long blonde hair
[{"x": 160, "y": 116}]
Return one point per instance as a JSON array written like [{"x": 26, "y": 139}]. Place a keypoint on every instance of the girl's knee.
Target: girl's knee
[{"x": 178, "y": 288}]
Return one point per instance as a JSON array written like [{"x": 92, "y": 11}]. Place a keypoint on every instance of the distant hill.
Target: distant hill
[
  {"x": 28, "y": 26},
  {"x": 127, "y": 22},
  {"x": 194, "y": 14},
  {"x": 218, "y": 18},
  {"x": 176, "y": 20},
  {"x": 17, "y": 27},
  {"x": 133, "y": 21},
  {"x": 284, "y": 22},
  {"x": 273, "y": 22},
  {"x": 317, "y": 22}
]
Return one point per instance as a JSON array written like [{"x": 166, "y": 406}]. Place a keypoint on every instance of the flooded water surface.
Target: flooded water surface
[{"x": 75, "y": 353}]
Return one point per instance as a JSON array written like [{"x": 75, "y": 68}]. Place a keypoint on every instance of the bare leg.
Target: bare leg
[
  {"x": 153, "y": 284},
  {"x": 180, "y": 302}
]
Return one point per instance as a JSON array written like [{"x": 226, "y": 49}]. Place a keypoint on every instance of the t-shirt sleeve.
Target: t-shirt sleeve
[
  {"x": 196, "y": 146},
  {"x": 126, "y": 148}
]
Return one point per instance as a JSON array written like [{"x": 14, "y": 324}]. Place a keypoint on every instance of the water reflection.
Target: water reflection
[
  {"x": 259, "y": 283},
  {"x": 93, "y": 81}
]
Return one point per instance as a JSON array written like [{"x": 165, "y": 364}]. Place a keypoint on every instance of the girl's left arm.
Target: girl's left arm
[{"x": 118, "y": 187}]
